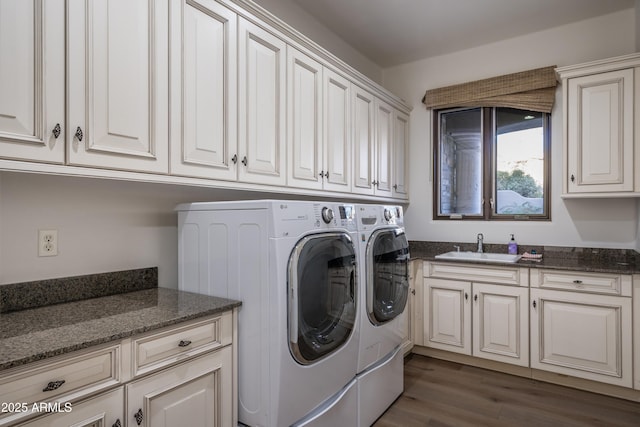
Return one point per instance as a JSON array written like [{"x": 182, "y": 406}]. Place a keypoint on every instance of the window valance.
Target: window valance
[{"x": 527, "y": 90}]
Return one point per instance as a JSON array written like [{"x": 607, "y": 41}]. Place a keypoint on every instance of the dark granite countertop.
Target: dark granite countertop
[
  {"x": 619, "y": 261},
  {"x": 37, "y": 333}
]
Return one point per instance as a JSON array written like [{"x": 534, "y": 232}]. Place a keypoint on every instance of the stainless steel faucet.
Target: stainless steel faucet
[{"x": 480, "y": 246}]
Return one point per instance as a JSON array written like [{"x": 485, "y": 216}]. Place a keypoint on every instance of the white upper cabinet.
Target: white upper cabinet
[
  {"x": 319, "y": 112},
  {"x": 305, "y": 121},
  {"x": 194, "y": 92},
  {"x": 363, "y": 124},
  {"x": 400, "y": 154},
  {"x": 262, "y": 105},
  {"x": 380, "y": 147},
  {"x": 384, "y": 143},
  {"x": 117, "y": 77},
  {"x": 203, "y": 110},
  {"x": 599, "y": 112},
  {"x": 337, "y": 132},
  {"x": 32, "y": 80}
]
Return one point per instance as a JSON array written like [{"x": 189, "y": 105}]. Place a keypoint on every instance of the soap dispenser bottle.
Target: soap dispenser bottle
[{"x": 512, "y": 248}]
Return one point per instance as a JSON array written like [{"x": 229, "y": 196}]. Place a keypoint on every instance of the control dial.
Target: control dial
[
  {"x": 327, "y": 215},
  {"x": 388, "y": 215}
]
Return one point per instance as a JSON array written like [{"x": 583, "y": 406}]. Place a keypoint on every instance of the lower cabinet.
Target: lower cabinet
[
  {"x": 582, "y": 335},
  {"x": 184, "y": 374},
  {"x": 572, "y": 323},
  {"x": 479, "y": 319},
  {"x": 486, "y": 320},
  {"x": 104, "y": 410},
  {"x": 192, "y": 393}
]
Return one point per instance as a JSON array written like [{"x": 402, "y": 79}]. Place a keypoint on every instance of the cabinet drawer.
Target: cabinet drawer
[
  {"x": 473, "y": 273},
  {"x": 175, "y": 344},
  {"x": 65, "y": 380},
  {"x": 601, "y": 283}
]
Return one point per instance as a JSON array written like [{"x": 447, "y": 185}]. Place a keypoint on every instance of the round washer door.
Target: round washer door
[
  {"x": 387, "y": 274},
  {"x": 322, "y": 295}
]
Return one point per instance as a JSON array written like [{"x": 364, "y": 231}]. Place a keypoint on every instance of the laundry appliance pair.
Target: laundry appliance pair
[{"x": 312, "y": 342}]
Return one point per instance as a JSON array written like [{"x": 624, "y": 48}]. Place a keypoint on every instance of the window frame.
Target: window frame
[{"x": 489, "y": 172}]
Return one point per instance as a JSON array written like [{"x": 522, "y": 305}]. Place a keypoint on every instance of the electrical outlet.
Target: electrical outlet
[{"x": 47, "y": 242}]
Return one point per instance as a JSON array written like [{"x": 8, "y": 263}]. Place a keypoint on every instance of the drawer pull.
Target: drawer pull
[
  {"x": 117, "y": 423},
  {"x": 184, "y": 343},
  {"x": 53, "y": 385},
  {"x": 577, "y": 282},
  {"x": 138, "y": 416}
]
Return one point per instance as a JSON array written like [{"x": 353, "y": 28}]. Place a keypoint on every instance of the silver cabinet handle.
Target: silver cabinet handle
[
  {"x": 234, "y": 159},
  {"x": 244, "y": 161},
  {"x": 56, "y": 130},
  {"x": 184, "y": 343},
  {"x": 79, "y": 133}
]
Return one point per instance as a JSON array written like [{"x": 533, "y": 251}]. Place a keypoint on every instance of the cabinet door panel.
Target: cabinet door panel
[
  {"x": 117, "y": 77},
  {"x": 501, "y": 323},
  {"x": 262, "y": 97},
  {"x": 384, "y": 138},
  {"x": 337, "y": 132},
  {"x": 32, "y": 79},
  {"x": 448, "y": 315},
  {"x": 305, "y": 120},
  {"x": 363, "y": 140},
  {"x": 583, "y": 335},
  {"x": 203, "y": 89},
  {"x": 600, "y": 132},
  {"x": 400, "y": 154},
  {"x": 195, "y": 393}
]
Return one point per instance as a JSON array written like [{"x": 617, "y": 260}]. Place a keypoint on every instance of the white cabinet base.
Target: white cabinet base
[
  {"x": 584, "y": 335},
  {"x": 194, "y": 393}
]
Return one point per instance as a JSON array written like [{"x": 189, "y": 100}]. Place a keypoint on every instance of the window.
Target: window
[{"x": 491, "y": 163}]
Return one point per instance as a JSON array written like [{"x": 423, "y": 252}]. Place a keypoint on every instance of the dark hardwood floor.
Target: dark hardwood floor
[{"x": 439, "y": 393}]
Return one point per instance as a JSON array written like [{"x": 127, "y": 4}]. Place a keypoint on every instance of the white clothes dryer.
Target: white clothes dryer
[
  {"x": 384, "y": 261},
  {"x": 294, "y": 267}
]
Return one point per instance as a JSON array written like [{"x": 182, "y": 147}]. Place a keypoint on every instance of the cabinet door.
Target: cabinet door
[
  {"x": 501, "y": 323},
  {"x": 447, "y": 317},
  {"x": 305, "y": 120},
  {"x": 583, "y": 335},
  {"x": 203, "y": 89},
  {"x": 32, "y": 80},
  {"x": 384, "y": 138},
  {"x": 105, "y": 410},
  {"x": 600, "y": 132},
  {"x": 363, "y": 140},
  {"x": 400, "y": 154},
  {"x": 117, "y": 77},
  {"x": 261, "y": 105},
  {"x": 198, "y": 392},
  {"x": 337, "y": 132}
]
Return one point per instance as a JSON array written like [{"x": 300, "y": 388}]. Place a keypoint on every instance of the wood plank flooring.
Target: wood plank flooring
[{"x": 440, "y": 393}]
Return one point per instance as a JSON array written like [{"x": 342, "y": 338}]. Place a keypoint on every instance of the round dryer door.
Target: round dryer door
[
  {"x": 387, "y": 274},
  {"x": 322, "y": 295}
]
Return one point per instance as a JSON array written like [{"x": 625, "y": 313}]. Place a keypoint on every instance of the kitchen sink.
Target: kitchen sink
[{"x": 479, "y": 257}]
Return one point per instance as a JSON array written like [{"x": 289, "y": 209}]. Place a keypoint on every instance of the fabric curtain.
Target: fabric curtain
[{"x": 532, "y": 90}]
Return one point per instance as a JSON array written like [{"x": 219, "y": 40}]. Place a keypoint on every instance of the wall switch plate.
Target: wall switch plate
[{"x": 47, "y": 242}]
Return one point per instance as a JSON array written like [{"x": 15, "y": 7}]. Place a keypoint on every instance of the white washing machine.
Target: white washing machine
[
  {"x": 384, "y": 262},
  {"x": 294, "y": 266}
]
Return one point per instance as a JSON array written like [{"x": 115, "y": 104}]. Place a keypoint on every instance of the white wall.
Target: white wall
[
  {"x": 291, "y": 13},
  {"x": 103, "y": 225},
  {"x": 604, "y": 223}
]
